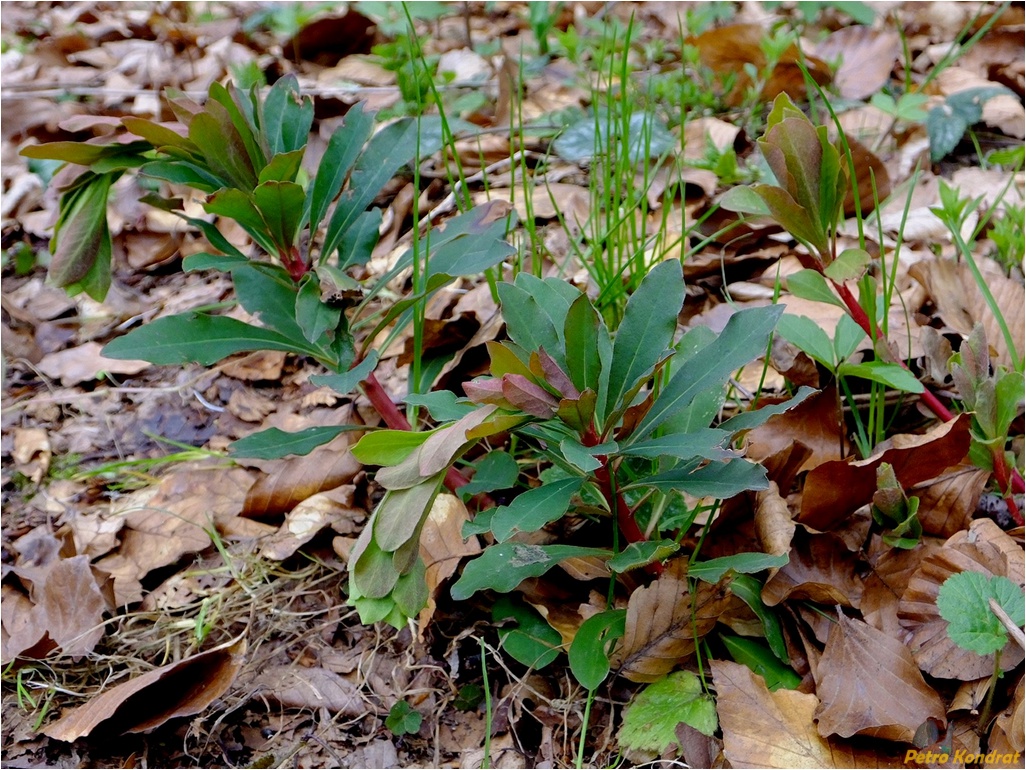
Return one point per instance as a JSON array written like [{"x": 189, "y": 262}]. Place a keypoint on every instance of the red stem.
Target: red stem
[
  {"x": 396, "y": 420},
  {"x": 1002, "y": 472}
]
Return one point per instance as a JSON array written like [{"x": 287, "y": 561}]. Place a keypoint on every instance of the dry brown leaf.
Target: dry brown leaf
[
  {"x": 773, "y": 523},
  {"x": 821, "y": 569},
  {"x": 254, "y": 367},
  {"x": 442, "y": 546},
  {"x": 164, "y": 523},
  {"x": 250, "y": 406},
  {"x": 834, "y": 490},
  {"x": 292, "y": 480},
  {"x": 726, "y": 50},
  {"x": 31, "y": 452},
  {"x": 84, "y": 364},
  {"x": 703, "y": 134},
  {"x": 664, "y": 620},
  {"x": 333, "y": 508},
  {"x": 815, "y": 423},
  {"x": 177, "y": 690},
  {"x": 984, "y": 548},
  {"x": 868, "y": 684},
  {"x": 891, "y": 570},
  {"x": 961, "y": 305},
  {"x": 947, "y": 503},
  {"x": 867, "y": 58},
  {"x": 1007, "y": 737},
  {"x": 311, "y": 688},
  {"x": 776, "y": 729}
]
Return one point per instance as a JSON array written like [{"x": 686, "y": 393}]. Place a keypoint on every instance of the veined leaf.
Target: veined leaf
[
  {"x": 281, "y": 206},
  {"x": 314, "y": 316},
  {"x": 81, "y": 231},
  {"x": 268, "y": 293},
  {"x": 808, "y": 284},
  {"x": 589, "y": 651},
  {"x": 159, "y": 135},
  {"x": 273, "y": 443},
  {"x": 526, "y": 323},
  {"x": 707, "y": 443},
  {"x": 762, "y": 661},
  {"x": 583, "y": 325},
  {"x": 388, "y": 447},
  {"x": 201, "y": 339},
  {"x": 721, "y": 480},
  {"x": 756, "y": 417},
  {"x": 880, "y": 371},
  {"x": 182, "y": 172},
  {"x": 809, "y": 337},
  {"x": 749, "y": 590},
  {"x": 535, "y": 508},
  {"x": 639, "y": 554},
  {"x": 343, "y": 148},
  {"x": 746, "y": 563},
  {"x": 283, "y": 167},
  {"x": 743, "y": 338},
  {"x": 345, "y": 382},
  {"x": 850, "y": 265},
  {"x": 650, "y": 721},
  {"x": 502, "y": 567},
  {"x": 223, "y": 148},
  {"x": 645, "y": 334},
  {"x": 238, "y": 205},
  {"x": 358, "y": 242},
  {"x": 532, "y": 641},
  {"x": 81, "y": 153}
]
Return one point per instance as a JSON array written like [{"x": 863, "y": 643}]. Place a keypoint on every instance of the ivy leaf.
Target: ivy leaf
[
  {"x": 964, "y": 600},
  {"x": 650, "y": 722}
]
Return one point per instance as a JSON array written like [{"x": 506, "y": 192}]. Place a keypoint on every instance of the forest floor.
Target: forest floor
[{"x": 167, "y": 604}]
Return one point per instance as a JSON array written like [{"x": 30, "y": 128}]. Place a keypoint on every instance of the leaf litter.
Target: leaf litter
[{"x": 234, "y": 572}]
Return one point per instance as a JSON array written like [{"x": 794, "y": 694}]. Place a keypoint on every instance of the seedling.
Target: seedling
[
  {"x": 403, "y": 719},
  {"x": 891, "y": 508}
]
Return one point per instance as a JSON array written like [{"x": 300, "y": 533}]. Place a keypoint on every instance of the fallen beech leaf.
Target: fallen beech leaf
[
  {"x": 311, "y": 688},
  {"x": 292, "y": 480},
  {"x": 891, "y": 570},
  {"x": 868, "y": 684},
  {"x": 867, "y": 58},
  {"x": 333, "y": 508},
  {"x": 1007, "y": 736},
  {"x": 442, "y": 546},
  {"x": 31, "y": 453},
  {"x": 983, "y": 548},
  {"x": 816, "y": 423},
  {"x": 820, "y": 569},
  {"x": 773, "y": 523},
  {"x": 84, "y": 364},
  {"x": 776, "y": 729},
  {"x": 834, "y": 490},
  {"x": 947, "y": 503},
  {"x": 664, "y": 621},
  {"x": 961, "y": 305},
  {"x": 177, "y": 690}
]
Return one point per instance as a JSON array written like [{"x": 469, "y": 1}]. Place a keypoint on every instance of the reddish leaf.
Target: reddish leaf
[{"x": 528, "y": 397}]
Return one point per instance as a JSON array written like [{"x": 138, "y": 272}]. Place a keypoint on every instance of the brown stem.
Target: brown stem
[{"x": 624, "y": 515}]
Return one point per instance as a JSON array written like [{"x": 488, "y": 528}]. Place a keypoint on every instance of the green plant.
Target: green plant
[
  {"x": 619, "y": 417},
  {"x": 245, "y": 152},
  {"x": 891, "y": 508},
  {"x": 1008, "y": 233},
  {"x": 812, "y": 181},
  {"x": 403, "y": 719},
  {"x": 970, "y": 602}
]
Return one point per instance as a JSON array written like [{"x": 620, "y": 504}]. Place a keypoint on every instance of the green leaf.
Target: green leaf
[
  {"x": 442, "y": 405},
  {"x": 268, "y": 293},
  {"x": 527, "y": 324},
  {"x": 197, "y": 338},
  {"x": 81, "y": 231},
  {"x": 583, "y": 326},
  {"x": 283, "y": 167},
  {"x": 535, "y": 508},
  {"x": 468, "y": 254},
  {"x": 794, "y": 218},
  {"x": 646, "y": 332},
  {"x": 343, "y": 148},
  {"x": 496, "y": 470},
  {"x": 388, "y": 447},
  {"x": 358, "y": 242},
  {"x": 707, "y": 443},
  {"x": 1008, "y": 395},
  {"x": 182, "y": 172},
  {"x": 205, "y": 261},
  {"x": 223, "y": 149},
  {"x": 313, "y": 316},
  {"x": 402, "y": 719},
  {"x": 746, "y": 563},
  {"x": 745, "y": 200},
  {"x": 963, "y": 602},
  {"x": 850, "y": 265},
  {"x": 532, "y": 641},
  {"x": 281, "y": 206},
  {"x": 158, "y": 134},
  {"x": 502, "y": 567},
  {"x": 757, "y": 657},
  {"x": 808, "y": 284},
  {"x": 639, "y": 554},
  {"x": 401, "y": 513},
  {"x": 345, "y": 382},
  {"x": 749, "y": 590},
  {"x": 589, "y": 651},
  {"x": 237, "y": 205},
  {"x": 81, "y": 153},
  {"x": 809, "y": 337},
  {"x": 743, "y": 338},
  {"x": 580, "y": 456},
  {"x": 650, "y": 722},
  {"x": 847, "y": 337},
  {"x": 880, "y": 371},
  {"x": 756, "y": 417},
  {"x": 272, "y": 443},
  {"x": 239, "y": 115}
]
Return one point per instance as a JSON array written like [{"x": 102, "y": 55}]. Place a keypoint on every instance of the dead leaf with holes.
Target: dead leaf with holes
[
  {"x": 665, "y": 620},
  {"x": 776, "y": 729},
  {"x": 868, "y": 684},
  {"x": 984, "y": 548},
  {"x": 142, "y": 704}
]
